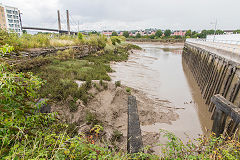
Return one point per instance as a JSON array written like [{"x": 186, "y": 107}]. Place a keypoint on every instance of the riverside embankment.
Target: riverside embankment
[{"x": 158, "y": 72}]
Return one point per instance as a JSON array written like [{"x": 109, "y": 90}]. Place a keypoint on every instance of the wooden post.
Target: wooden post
[
  {"x": 134, "y": 143},
  {"x": 223, "y": 109},
  {"x": 218, "y": 127}
]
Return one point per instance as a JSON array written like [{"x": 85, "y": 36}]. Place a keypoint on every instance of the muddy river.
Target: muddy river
[{"x": 159, "y": 72}]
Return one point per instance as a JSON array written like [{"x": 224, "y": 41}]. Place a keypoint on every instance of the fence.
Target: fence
[
  {"x": 225, "y": 38},
  {"x": 234, "y": 47}
]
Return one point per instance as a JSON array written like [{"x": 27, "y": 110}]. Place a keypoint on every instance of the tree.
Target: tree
[
  {"x": 152, "y": 36},
  {"x": 93, "y": 32},
  {"x": 219, "y": 31},
  {"x": 167, "y": 33},
  {"x": 126, "y": 34},
  {"x": 188, "y": 33},
  {"x": 24, "y": 31},
  {"x": 203, "y": 34},
  {"x": 138, "y": 35},
  {"x": 159, "y": 33},
  {"x": 237, "y": 31},
  {"x": 114, "y": 33}
]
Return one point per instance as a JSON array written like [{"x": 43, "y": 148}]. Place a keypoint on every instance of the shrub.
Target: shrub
[
  {"x": 72, "y": 106},
  {"x": 114, "y": 34},
  {"x": 5, "y": 49},
  {"x": 109, "y": 48},
  {"x": 128, "y": 90},
  {"x": 126, "y": 34},
  {"x": 211, "y": 147},
  {"x": 115, "y": 40},
  {"x": 80, "y": 36},
  {"x": 91, "y": 118},
  {"x": 118, "y": 83},
  {"x": 97, "y": 86},
  {"x": 138, "y": 35},
  {"x": 117, "y": 135},
  {"x": 105, "y": 85},
  {"x": 101, "y": 82},
  {"x": 152, "y": 36},
  {"x": 66, "y": 54}
]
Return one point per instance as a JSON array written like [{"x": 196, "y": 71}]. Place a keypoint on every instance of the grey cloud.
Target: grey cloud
[{"x": 126, "y": 14}]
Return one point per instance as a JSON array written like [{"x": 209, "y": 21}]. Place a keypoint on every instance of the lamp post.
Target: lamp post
[{"x": 215, "y": 29}]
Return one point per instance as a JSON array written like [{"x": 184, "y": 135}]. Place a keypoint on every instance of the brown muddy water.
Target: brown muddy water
[{"x": 159, "y": 72}]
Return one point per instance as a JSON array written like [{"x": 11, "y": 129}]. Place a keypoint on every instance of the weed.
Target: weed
[
  {"x": 97, "y": 87},
  {"x": 118, "y": 83},
  {"x": 101, "y": 82},
  {"x": 65, "y": 55},
  {"x": 128, "y": 90},
  {"x": 105, "y": 85},
  {"x": 80, "y": 36},
  {"x": 72, "y": 129},
  {"x": 88, "y": 83},
  {"x": 91, "y": 118},
  {"x": 117, "y": 135},
  {"x": 72, "y": 106},
  {"x": 115, "y": 40}
]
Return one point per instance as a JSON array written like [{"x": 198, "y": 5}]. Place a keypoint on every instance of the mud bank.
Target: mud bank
[
  {"x": 169, "y": 45},
  {"x": 110, "y": 108}
]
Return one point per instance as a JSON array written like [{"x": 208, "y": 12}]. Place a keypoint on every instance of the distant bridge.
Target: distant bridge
[{"x": 48, "y": 29}]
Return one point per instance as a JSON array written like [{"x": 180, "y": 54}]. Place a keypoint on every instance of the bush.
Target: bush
[
  {"x": 138, "y": 35},
  {"x": 128, "y": 90},
  {"x": 152, "y": 36},
  {"x": 117, "y": 135},
  {"x": 80, "y": 36},
  {"x": 97, "y": 41},
  {"x": 126, "y": 34},
  {"x": 118, "y": 83},
  {"x": 115, "y": 40},
  {"x": 65, "y": 55},
  {"x": 114, "y": 34},
  {"x": 211, "y": 147},
  {"x": 91, "y": 118}
]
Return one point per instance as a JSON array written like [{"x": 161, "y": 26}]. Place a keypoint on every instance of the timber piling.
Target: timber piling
[{"x": 219, "y": 81}]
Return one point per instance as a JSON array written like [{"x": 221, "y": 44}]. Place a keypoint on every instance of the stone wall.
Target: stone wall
[{"x": 28, "y": 59}]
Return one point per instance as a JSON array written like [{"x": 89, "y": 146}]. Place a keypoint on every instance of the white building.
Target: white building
[{"x": 12, "y": 18}]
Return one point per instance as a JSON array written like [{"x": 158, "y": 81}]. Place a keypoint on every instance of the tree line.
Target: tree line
[{"x": 168, "y": 34}]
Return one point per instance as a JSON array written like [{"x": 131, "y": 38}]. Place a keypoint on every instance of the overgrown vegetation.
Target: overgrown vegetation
[
  {"x": 62, "y": 74},
  {"x": 27, "y": 134},
  {"x": 211, "y": 147},
  {"x": 40, "y": 40}
]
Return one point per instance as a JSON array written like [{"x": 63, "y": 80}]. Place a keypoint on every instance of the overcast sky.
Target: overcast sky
[{"x": 131, "y": 14}]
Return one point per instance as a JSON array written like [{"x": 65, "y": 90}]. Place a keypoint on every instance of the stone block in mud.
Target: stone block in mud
[{"x": 134, "y": 143}]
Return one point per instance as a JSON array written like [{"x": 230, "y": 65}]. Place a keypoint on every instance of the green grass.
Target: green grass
[{"x": 60, "y": 75}]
